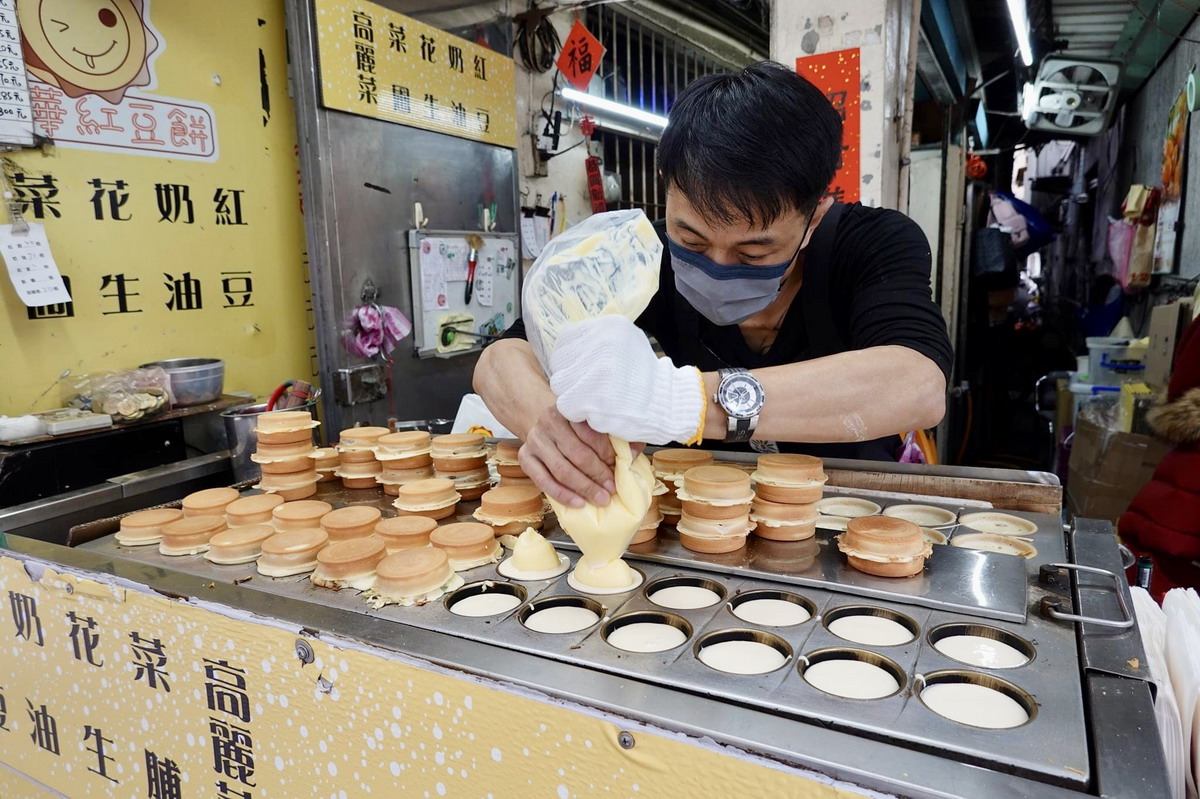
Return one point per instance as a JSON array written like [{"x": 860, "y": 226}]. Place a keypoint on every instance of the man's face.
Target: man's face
[{"x": 741, "y": 242}]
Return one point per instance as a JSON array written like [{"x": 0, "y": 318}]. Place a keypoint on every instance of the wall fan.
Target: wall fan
[{"x": 1071, "y": 97}]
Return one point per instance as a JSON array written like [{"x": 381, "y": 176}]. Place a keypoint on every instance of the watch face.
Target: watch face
[{"x": 741, "y": 396}]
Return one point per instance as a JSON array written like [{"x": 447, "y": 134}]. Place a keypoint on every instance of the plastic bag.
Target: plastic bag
[
  {"x": 607, "y": 264},
  {"x": 1029, "y": 229},
  {"x": 474, "y": 417},
  {"x": 1120, "y": 246},
  {"x": 126, "y": 396},
  {"x": 994, "y": 262},
  {"x": 910, "y": 451}
]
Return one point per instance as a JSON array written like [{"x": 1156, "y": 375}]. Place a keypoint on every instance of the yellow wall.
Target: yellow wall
[
  {"x": 208, "y": 54},
  {"x": 348, "y": 721}
]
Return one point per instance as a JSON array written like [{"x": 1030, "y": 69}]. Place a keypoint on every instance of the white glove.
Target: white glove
[{"x": 605, "y": 373}]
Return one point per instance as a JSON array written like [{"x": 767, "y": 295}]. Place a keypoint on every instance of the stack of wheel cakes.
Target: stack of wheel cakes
[
  {"x": 715, "y": 509},
  {"x": 669, "y": 467},
  {"x": 203, "y": 516},
  {"x": 285, "y": 454},
  {"x": 506, "y": 460},
  {"x": 787, "y": 488},
  {"x": 357, "y": 465},
  {"x": 404, "y": 458},
  {"x": 462, "y": 458}
]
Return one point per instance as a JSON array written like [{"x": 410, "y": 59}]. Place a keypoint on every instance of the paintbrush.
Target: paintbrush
[{"x": 475, "y": 241}]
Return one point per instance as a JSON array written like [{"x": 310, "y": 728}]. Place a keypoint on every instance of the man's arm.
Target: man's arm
[
  {"x": 852, "y": 396},
  {"x": 510, "y": 380}
]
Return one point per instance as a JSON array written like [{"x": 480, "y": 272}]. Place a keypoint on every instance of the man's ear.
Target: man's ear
[{"x": 818, "y": 214}]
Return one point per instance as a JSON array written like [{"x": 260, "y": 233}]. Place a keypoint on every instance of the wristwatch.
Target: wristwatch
[{"x": 741, "y": 396}]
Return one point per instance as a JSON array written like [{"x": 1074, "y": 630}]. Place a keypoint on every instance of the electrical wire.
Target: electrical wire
[
  {"x": 536, "y": 39},
  {"x": 569, "y": 149}
]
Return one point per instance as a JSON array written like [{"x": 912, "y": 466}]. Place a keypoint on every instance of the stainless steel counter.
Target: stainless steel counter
[{"x": 1081, "y": 690}]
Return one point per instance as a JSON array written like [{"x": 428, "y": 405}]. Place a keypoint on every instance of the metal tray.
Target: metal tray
[
  {"x": 962, "y": 580},
  {"x": 1052, "y": 747}
]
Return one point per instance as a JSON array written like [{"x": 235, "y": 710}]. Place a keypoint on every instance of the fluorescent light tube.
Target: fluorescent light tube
[
  {"x": 1020, "y": 21},
  {"x": 608, "y": 106}
]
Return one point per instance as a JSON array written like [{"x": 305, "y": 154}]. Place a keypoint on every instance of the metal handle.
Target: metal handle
[
  {"x": 1127, "y": 556},
  {"x": 1050, "y": 605}
]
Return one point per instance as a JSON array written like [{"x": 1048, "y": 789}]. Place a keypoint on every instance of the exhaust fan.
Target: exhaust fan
[{"x": 1071, "y": 97}]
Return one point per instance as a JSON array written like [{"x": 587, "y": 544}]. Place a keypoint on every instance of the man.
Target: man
[{"x": 828, "y": 306}]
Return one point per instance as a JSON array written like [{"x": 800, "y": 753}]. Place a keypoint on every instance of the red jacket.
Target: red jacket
[{"x": 1165, "y": 514}]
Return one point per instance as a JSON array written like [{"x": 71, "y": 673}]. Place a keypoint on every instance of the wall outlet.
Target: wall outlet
[
  {"x": 356, "y": 385},
  {"x": 540, "y": 169}
]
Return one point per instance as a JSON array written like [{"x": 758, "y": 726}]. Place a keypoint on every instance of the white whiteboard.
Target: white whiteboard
[{"x": 438, "y": 269}]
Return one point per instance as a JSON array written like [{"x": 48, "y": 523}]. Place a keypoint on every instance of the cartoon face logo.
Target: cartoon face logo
[{"x": 87, "y": 46}]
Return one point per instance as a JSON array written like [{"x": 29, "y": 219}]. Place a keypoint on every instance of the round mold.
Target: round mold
[
  {"x": 940, "y": 633},
  {"x": 830, "y": 654},
  {"x": 778, "y": 596},
  {"x": 666, "y": 583},
  {"x": 987, "y": 682},
  {"x": 566, "y": 601},
  {"x": 649, "y": 617},
  {"x": 832, "y": 615},
  {"x": 474, "y": 593},
  {"x": 750, "y": 641}
]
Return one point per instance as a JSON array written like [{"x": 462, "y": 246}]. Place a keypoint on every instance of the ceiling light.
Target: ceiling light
[
  {"x": 611, "y": 107},
  {"x": 1020, "y": 21}
]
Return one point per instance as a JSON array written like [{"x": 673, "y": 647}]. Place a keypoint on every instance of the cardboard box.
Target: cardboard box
[
  {"x": 1166, "y": 325},
  {"x": 1108, "y": 468},
  {"x": 1136, "y": 401}
]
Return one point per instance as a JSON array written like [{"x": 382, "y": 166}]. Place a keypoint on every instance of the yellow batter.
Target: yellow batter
[
  {"x": 603, "y": 533},
  {"x": 533, "y": 553}
]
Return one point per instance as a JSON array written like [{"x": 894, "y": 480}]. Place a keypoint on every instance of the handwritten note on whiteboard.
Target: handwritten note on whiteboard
[
  {"x": 16, "y": 118},
  {"x": 31, "y": 267},
  {"x": 484, "y": 275}
]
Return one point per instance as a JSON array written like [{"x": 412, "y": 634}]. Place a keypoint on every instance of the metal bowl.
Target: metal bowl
[{"x": 194, "y": 381}]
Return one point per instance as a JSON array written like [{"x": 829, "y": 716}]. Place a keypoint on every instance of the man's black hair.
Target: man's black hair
[{"x": 751, "y": 145}]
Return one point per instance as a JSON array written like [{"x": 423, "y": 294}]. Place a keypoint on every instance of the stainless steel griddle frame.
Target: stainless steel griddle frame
[
  {"x": 1052, "y": 747},
  {"x": 1125, "y": 755}
]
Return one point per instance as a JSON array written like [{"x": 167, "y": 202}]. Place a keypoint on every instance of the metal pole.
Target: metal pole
[{"x": 910, "y": 83}]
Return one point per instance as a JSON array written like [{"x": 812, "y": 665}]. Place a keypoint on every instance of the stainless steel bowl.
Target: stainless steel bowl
[{"x": 194, "y": 381}]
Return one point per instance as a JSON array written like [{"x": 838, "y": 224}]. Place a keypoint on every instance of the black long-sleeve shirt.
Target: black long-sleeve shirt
[{"x": 866, "y": 284}]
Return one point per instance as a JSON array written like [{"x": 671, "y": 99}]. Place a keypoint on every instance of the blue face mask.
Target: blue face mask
[{"x": 726, "y": 295}]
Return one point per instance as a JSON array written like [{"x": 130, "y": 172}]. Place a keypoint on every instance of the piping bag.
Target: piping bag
[{"x": 607, "y": 264}]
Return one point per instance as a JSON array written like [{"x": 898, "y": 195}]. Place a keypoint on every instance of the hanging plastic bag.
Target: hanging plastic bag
[
  {"x": 1029, "y": 229},
  {"x": 607, "y": 264},
  {"x": 1120, "y": 246},
  {"x": 993, "y": 261},
  {"x": 1141, "y": 210}
]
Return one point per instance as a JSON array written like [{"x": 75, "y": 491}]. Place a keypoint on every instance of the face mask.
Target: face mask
[{"x": 726, "y": 295}]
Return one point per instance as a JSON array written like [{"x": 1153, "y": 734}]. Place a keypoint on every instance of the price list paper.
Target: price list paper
[
  {"x": 31, "y": 267},
  {"x": 16, "y": 118}
]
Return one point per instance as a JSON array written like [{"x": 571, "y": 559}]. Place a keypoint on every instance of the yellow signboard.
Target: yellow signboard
[
  {"x": 114, "y": 692},
  {"x": 169, "y": 188},
  {"x": 377, "y": 63}
]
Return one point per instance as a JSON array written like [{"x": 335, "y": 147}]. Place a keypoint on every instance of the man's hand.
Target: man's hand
[
  {"x": 569, "y": 460},
  {"x": 606, "y": 374}
]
